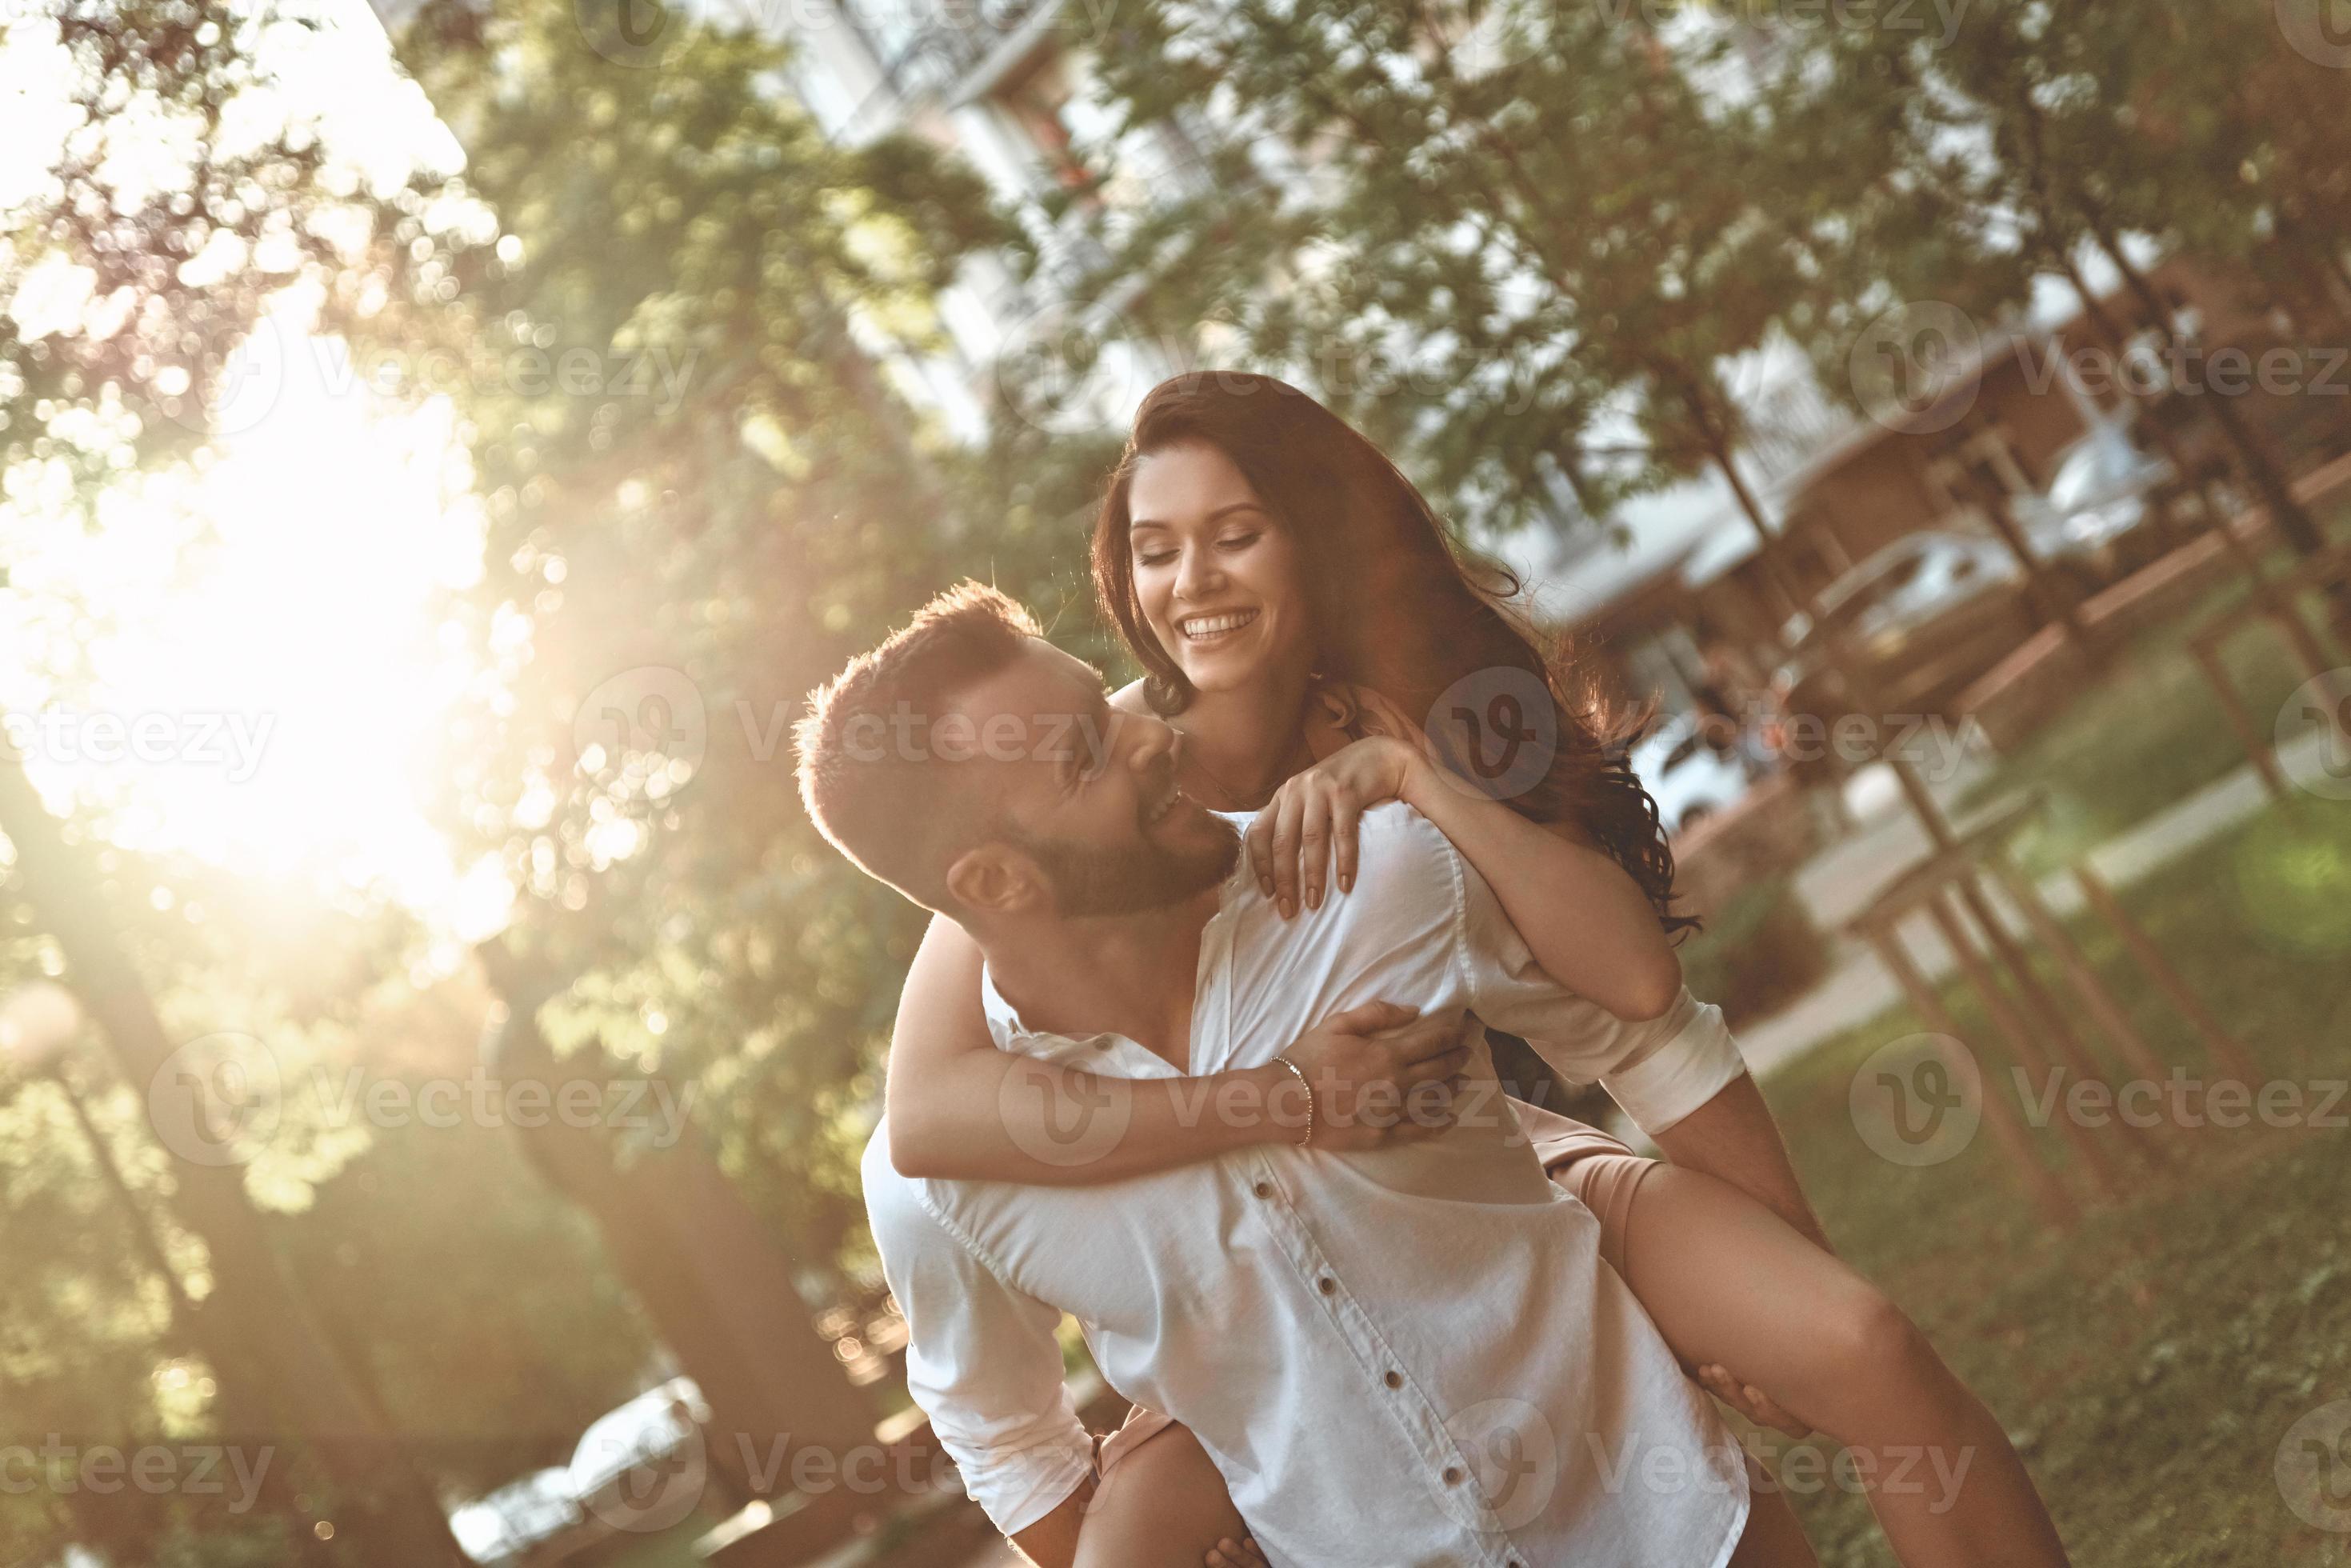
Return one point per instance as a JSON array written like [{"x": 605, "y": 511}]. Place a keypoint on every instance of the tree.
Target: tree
[
  {"x": 2064, "y": 126},
  {"x": 727, "y": 501}
]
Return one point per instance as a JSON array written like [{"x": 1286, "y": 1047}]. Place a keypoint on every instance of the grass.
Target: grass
[
  {"x": 2152, "y": 733},
  {"x": 2149, "y": 1360}
]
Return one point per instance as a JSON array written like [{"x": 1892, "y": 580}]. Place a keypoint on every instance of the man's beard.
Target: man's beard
[{"x": 1089, "y": 882}]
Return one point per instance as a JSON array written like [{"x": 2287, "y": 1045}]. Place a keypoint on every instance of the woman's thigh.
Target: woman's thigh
[
  {"x": 1162, "y": 1506},
  {"x": 1729, "y": 1282},
  {"x": 1772, "y": 1539}
]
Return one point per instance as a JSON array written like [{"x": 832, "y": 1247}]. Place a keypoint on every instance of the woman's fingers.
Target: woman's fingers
[
  {"x": 1346, "y": 821},
  {"x": 1229, "y": 1554},
  {"x": 1314, "y": 845},
  {"x": 1290, "y": 810},
  {"x": 1257, "y": 843}
]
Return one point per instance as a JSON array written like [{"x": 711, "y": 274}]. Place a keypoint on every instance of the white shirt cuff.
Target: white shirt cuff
[
  {"x": 1691, "y": 1064},
  {"x": 1018, "y": 1489}
]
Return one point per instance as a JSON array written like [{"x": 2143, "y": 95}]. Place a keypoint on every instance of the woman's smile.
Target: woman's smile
[{"x": 1214, "y": 628}]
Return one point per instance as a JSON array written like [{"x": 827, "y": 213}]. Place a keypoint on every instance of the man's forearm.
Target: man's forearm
[
  {"x": 1732, "y": 1138},
  {"x": 1052, "y": 1541}
]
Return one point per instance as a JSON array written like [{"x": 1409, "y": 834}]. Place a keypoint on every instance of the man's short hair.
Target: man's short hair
[{"x": 875, "y": 797}]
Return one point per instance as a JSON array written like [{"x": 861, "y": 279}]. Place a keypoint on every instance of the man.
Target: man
[{"x": 1411, "y": 1356}]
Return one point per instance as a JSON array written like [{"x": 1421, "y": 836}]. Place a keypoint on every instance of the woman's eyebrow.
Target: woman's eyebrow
[{"x": 1219, "y": 515}]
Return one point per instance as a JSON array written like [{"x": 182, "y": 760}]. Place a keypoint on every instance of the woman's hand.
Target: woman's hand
[
  {"x": 1309, "y": 826},
  {"x": 1241, "y": 1553},
  {"x": 1382, "y": 1075}
]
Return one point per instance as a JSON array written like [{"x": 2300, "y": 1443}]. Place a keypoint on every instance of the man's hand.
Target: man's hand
[
  {"x": 1382, "y": 1075},
  {"x": 1750, "y": 1402}
]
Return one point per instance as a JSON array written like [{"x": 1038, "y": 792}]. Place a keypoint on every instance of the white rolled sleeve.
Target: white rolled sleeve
[
  {"x": 1659, "y": 1070},
  {"x": 982, "y": 1359}
]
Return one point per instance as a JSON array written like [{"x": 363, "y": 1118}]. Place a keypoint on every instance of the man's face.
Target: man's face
[{"x": 1088, "y": 793}]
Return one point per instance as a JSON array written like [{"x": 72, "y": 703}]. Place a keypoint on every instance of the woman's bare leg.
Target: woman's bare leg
[
  {"x": 1729, "y": 1282},
  {"x": 1162, "y": 1506},
  {"x": 1772, "y": 1538}
]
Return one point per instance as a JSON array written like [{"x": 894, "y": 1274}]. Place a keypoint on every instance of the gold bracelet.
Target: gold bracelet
[{"x": 1300, "y": 1073}]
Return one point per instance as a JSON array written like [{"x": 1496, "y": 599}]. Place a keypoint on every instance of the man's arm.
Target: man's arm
[
  {"x": 1732, "y": 1137},
  {"x": 983, "y": 1362}
]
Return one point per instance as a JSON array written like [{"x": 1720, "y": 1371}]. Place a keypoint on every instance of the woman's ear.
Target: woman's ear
[{"x": 995, "y": 880}]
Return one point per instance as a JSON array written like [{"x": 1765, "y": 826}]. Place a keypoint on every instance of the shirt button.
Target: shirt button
[
  {"x": 1329, "y": 1286},
  {"x": 1263, "y": 1189},
  {"x": 1394, "y": 1380},
  {"x": 1452, "y": 1474}
]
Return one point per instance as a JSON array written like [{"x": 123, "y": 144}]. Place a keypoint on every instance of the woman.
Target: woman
[{"x": 1294, "y": 601}]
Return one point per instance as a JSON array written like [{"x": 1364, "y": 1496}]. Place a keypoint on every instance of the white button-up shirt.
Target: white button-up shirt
[{"x": 1399, "y": 1359}]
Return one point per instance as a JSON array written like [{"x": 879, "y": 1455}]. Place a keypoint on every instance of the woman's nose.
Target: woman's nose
[{"x": 1197, "y": 574}]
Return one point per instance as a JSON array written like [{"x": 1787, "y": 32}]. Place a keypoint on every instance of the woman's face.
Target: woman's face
[{"x": 1216, "y": 575}]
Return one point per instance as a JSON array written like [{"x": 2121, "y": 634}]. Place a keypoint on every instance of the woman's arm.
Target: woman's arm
[
  {"x": 1587, "y": 921},
  {"x": 960, "y": 1108}
]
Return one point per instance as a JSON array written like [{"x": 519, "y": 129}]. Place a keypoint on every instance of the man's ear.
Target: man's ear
[{"x": 996, "y": 878}]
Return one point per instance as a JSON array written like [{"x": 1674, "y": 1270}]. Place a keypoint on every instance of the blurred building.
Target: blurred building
[
  {"x": 1007, "y": 84},
  {"x": 1688, "y": 570}
]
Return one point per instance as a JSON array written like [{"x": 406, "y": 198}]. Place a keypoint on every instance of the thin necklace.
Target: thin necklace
[{"x": 1235, "y": 801}]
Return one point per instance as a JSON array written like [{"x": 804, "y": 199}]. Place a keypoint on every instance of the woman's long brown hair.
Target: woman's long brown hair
[{"x": 1394, "y": 603}]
